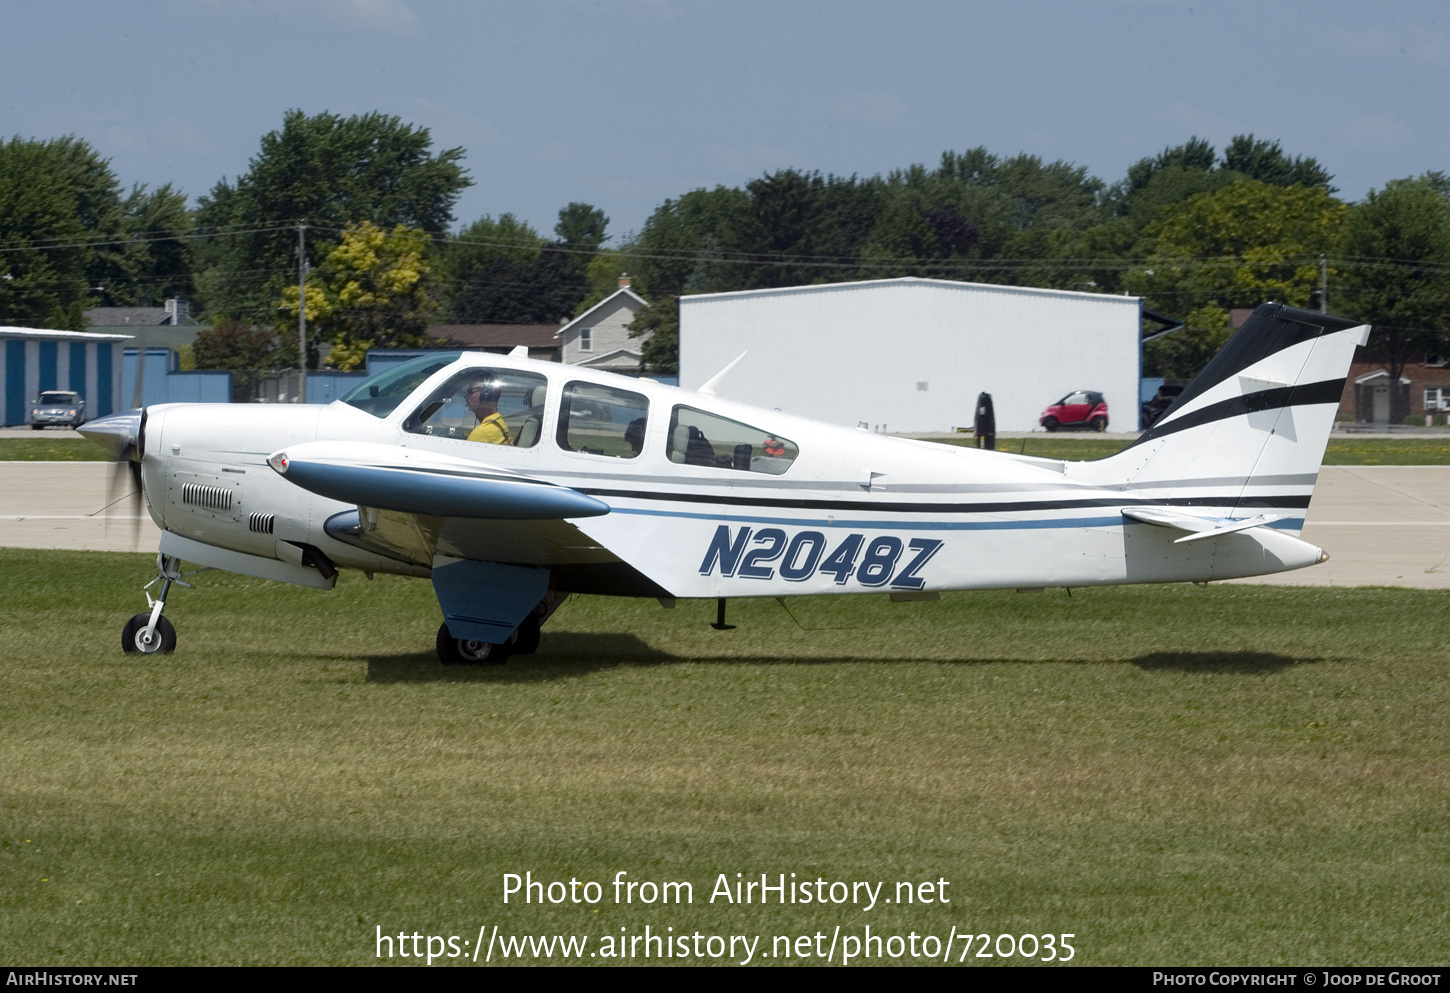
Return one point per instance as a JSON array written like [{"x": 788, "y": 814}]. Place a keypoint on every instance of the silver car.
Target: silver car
[{"x": 58, "y": 407}]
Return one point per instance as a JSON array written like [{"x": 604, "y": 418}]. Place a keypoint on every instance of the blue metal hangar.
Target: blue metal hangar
[{"x": 37, "y": 359}]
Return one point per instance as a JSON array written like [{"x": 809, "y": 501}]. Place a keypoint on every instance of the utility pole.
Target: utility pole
[
  {"x": 1323, "y": 285},
  {"x": 302, "y": 311}
]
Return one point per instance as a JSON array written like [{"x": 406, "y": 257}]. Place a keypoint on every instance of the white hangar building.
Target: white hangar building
[{"x": 910, "y": 355}]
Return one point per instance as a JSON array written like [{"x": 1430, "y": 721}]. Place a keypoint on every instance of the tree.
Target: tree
[
  {"x": 543, "y": 291},
  {"x": 982, "y": 218},
  {"x": 544, "y": 287},
  {"x": 582, "y": 226},
  {"x": 248, "y": 352},
  {"x": 1397, "y": 256},
  {"x": 660, "y": 321},
  {"x": 44, "y": 240},
  {"x": 679, "y": 246},
  {"x": 479, "y": 243},
  {"x": 796, "y": 228},
  {"x": 1266, "y": 162},
  {"x": 374, "y": 290},
  {"x": 157, "y": 258},
  {"x": 331, "y": 171},
  {"x": 1240, "y": 246}
]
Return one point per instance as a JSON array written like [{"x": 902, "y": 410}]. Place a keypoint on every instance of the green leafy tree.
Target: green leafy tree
[
  {"x": 659, "y": 325},
  {"x": 155, "y": 262},
  {"x": 982, "y": 218},
  {"x": 678, "y": 249},
  {"x": 543, "y": 288},
  {"x": 249, "y": 352},
  {"x": 1397, "y": 261},
  {"x": 1181, "y": 354},
  {"x": 1266, "y": 162},
  {"x": 476, "y": 245},
  {"x": 374, "y": 290},
  {"x": 796, "y": 228},
  {"x": 45, "y": 250},
  {"x": 1240, "y": 246},
  {"x": 582, "y": 226},
  {"x": 331, "y": 171},
  {"x": 1235, "y": 247}
]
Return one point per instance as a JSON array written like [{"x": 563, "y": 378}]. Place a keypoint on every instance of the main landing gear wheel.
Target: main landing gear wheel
[
  {"x": 462, "y": 651},
  {"x": 133, "y": 636},
  {"x": 526, "y": 641}
]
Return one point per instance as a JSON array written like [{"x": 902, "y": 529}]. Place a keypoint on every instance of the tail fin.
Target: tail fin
[{"x": 1249, "y": 433}]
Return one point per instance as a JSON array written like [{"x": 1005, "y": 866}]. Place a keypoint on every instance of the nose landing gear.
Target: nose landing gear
[{"x": 151, "y": 633}]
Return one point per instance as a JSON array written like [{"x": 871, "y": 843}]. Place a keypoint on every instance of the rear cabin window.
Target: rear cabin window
[
  {"x": 699, "y": 438},
  {"x": 490, "y": 406},
  {"x": 600, "y": 420}
]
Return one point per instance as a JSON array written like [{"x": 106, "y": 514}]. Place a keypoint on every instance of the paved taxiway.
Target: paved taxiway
[{"x": 1382, "y": 525}]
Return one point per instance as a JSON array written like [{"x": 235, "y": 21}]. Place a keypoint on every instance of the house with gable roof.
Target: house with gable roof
[{"x": 599, "y": 337}]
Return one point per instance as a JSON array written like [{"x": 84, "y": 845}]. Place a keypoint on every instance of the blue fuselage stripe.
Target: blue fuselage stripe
[{"x": 900, "y": 525}]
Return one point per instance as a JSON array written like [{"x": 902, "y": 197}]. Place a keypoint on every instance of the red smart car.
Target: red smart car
[{"x": 1080, "y": 409}]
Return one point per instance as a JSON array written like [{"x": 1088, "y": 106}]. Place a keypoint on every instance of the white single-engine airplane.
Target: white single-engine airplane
[{"x": 512, "y": 483}]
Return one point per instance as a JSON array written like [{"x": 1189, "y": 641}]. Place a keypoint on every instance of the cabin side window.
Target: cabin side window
[
  {"x": 492, "y": 406},
  {"x": 600, "y": 420},
  {"x": 700, "y": 438}
]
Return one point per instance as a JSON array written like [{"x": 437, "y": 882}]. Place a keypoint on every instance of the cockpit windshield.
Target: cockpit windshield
[{"x": 380, "y": 395}]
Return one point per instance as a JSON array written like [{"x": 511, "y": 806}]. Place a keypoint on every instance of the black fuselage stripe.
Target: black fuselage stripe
[
  {"x": 1298, "y": 501},
  {"x": 1325, "y": 391}
]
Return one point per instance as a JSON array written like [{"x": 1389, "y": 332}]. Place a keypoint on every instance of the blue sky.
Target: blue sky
[{"x": 622, "y": 103}]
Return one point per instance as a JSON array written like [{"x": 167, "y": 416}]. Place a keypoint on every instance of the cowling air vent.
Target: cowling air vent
[
  {"x": 210, "y": 497},
  {"x": 261, "y": 523},
  {"x": 218, "y": 497}
]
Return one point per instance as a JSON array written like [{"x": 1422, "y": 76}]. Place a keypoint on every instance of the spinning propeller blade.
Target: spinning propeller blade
[{"x": 122, "y": 435}]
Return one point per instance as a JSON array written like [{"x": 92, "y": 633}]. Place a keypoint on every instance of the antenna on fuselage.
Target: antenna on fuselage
[{"x": 708, "y": 390}]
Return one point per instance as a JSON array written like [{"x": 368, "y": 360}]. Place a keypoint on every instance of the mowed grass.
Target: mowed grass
[
  {"x": 1419, "y": 450},
  {"x": 46, "y": 446},
  {"x": 1175, "y": 775}
]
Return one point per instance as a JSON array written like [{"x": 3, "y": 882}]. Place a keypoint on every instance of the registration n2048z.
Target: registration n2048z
[{"x": 882, "y": 561}]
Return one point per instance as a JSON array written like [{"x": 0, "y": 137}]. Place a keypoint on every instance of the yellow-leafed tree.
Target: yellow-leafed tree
[{"x": 374, "y": 290}]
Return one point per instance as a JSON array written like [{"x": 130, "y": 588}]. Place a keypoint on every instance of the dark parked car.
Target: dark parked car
[
  {"x": 1162, "y": 400},
  {"x": 58, "y": 407},
  {"x": 1080, "y": 409}
]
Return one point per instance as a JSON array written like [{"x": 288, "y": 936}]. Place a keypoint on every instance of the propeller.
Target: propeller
[{"x": 123, "y": 435}]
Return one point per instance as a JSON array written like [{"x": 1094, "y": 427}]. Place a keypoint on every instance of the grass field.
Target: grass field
[
  {"x": 49, "y": 447},
  {"x": 1427, "y": 450},
  {"x": 1174, "y": 775}
]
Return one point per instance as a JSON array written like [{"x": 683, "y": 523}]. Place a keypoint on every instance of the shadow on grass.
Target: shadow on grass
[
  {"x": 1233, "y": 663},
  {"x": 567, "y": 654}
]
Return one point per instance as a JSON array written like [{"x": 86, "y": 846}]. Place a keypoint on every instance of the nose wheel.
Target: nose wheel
[
  {"x": 150, "y": 633},
  {"x": 139, "y": 636}
]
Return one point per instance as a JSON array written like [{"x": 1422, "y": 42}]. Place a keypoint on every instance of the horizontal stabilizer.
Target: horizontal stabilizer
[
  {"x": 393, "y": 478},
  {"x": 1198, "y": 528}
]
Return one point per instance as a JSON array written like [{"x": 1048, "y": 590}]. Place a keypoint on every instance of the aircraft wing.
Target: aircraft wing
[
  {"x": 388, "y": 477},
  {"x": 1197, "y": 528},
  {"x": 424, "y": 508}
]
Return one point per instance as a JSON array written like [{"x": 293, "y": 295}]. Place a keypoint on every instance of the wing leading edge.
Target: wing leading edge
[{"x": 397, "y": 479}]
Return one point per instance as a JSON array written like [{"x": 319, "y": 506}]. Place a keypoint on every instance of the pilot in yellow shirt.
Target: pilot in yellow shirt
[{"x": 492, "y": 431}]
